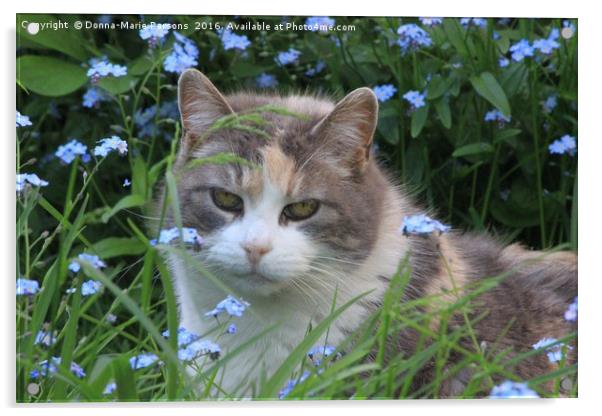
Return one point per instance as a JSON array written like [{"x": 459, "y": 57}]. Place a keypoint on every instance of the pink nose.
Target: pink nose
[{"x": 256, "y": 251}]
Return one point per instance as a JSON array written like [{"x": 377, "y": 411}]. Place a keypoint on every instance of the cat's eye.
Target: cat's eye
[
  {"x": 226, "y": 200},
  {"x": 301, "y": 210}
]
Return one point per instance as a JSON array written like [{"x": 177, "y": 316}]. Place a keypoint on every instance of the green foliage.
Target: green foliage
[{"x": 475, "y": 174}]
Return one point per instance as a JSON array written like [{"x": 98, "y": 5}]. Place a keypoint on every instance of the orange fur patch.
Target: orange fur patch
[{"x": 280, "y": 168}]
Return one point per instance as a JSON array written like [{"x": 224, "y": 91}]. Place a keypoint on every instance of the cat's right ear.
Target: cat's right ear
[{"x": 200, "y": 103}]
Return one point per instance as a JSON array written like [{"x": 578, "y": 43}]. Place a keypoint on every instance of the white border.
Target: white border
[{"x": 590, "y": 149}]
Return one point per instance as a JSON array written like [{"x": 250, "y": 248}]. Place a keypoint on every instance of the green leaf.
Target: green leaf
[
  {"x": 473, "y": 149},
  {"x": 418, "y": 120},
  {"x": 125, "y": 380},
  {"x": 141, "y": 65},
  {"x": 504, "y": 135},
  {"x": 139, "y": 185},
  {"x": 118, "y": 246},
  {"x": 117, "y": 85},
  {"x": 487, "y": 87},
  {"x": 129, "y": 201},
  {"x": 438, "y": 86},
  {"x": 50, "y": 76},
  {"x": 444, "y": 112},
  {"x": 69, "y": 42},
  {"x": 455, "y": 33}
]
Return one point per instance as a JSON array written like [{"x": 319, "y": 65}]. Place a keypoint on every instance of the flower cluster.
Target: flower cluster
[
  {"x": 521, "y": 50},
  {"x": 68, "y": 152},
  {"x": 183, "y": 56},
  {"x": 144, "y": 118},
  {"x": 412, "y": 37},
  {"x": 100, "y": 68},
  {"x": 288, "y": 57},
  {"x": 47, "y": 368},
  {"x": 231, "y": 40},
  {"x": 185, "y": 337},
  {"x": 552, "y": 347},
  {"x": 415, "y": 98},
  {"x": 199, "y": 348},
  {"x": 497, "y": 116},
  {"x": 94, "y": 261},
  {"x": 89, "y": 288},
  {"x": 422, "y": 224},
  {"x": 431, "y": 21},
  {"x": 27, "y": 287},
  {"x": 319, "y": 23},
  {"x": 266, "y": 81},
  {"x": 512, "y": 390},
  {"x": 318, "y": 352},
  {"x": 154, "y": 33},
  {"x": 571, "y": 313},
  {"x": 189, "y": 236},
  {"x": 566, "y": 144},
  {"x": 29, "y": 178},
  {"x": 109, "y": 144},
  {"x": 22, "y": 120},
  {"x": 384, "y": 92},
  {"x": 143, "y": 360}
]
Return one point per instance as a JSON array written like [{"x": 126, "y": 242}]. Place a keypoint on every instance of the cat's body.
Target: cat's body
[{"x": 315, "y": 214}]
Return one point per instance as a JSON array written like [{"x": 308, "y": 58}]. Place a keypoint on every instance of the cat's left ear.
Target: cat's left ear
[
  {"x": 200, "y": 102},
  {"x": 348, "y": 130}
]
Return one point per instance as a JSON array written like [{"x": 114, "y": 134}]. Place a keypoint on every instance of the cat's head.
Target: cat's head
[{"x": 304, "y": 211}]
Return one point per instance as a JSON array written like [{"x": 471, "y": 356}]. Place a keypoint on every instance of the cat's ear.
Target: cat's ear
[
  {"x": 348, "y": 130},
  {"x": 201, "y": 104}
]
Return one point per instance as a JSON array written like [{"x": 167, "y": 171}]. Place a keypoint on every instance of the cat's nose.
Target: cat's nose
[{"x": 256, "y": 251}]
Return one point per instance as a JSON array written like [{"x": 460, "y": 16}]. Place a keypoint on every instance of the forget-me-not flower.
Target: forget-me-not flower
[
  {"x": 412, "y": 36},
  {"x": 571, "y": 313},
  {"x": 565, "y": 145},
  {"x": 512, "y": 390},
  {"x": 319, "y": 23},
  {"x": 415, "y": 98},
  {"x": 384, "y": 92},
  {"x": 552, "y": 347},
  {"x": 109, "y": 144},
  {"x": 291, "y": 384},
  {"x": 44, "y": 338},
  {"x": 94, "y": 261},
  {"x": 154, "y": 33},
  {"x": 29, "y": 178},
  {"x": 230, "y": 305},
  {"x": 266, "y": 81},
  {"x": 320, "y": 65},
  {"x": 183, "y": 56},
  {"x": 185, "y": 336},
  {"x": 101, "y": 68},
  {"x": 550, "y": 104},
  {"x": 521, "y": 50},
  {"x": 93, "y": 96},
  {"x": 22, "y": 120},
  {"x": 288, "y": 57},
  {"x": 69, "y": 151},
  {"x": 231, "y": 40},
  {"x": 110, "y": 388},
  {"x": 143, "y": 360},
  {"x": 27, "y": 287},
  {"x": 46, "y": 368},
  {"x": 198, "y": 348},
  {"x": 431, "y": 21},
  {"x": 498, "y": 116},
  {"x": 474, "y": 21},
  {"x": 189, "y": 236},
  {"x": 422, "y": 224}
]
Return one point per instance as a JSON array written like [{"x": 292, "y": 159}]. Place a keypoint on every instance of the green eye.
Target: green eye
[
  {"x": 226, "y": 200},
  {"x": 301, "y": 210}
]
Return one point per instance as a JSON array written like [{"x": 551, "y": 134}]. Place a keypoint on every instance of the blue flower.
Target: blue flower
[
  {"x": 384, "y": 92},
  {"x": 318, "y": 352},
  {"x": 266, "y": 81},
  {"x": 571, "y": 313},
  {"x": 475, "y": 21},
  {"x": 189, "y": 236},
  {"x": 94, "y": 261},
  {"x": 231, "y": 40},
  {"x": 93, "y": 96},
  {"x": 24, "y": 178},
  {"x": 110, "y": 388},
  {"x": 104, "y": 18},
  {"x": 183, "y": 56},
  {"x": 412, "y": 37},
  {"x": 320, "y": 65},
  {"x": 126, "y": 183},
  {"x": 144, "y": 118},
  {"x": 568, "y": 29},
  {"x": 90, "y": 287},
  {"x": 288, "y": 57},
  {"x": 100, "y": 68},
  {"x": 415, "y": 98},
  {"x": 512, "y": 390},
  {"x": 22, "y": 120},
  {"x": 521, "y": 50},
  {"x": 231, "y": 329},
  {"x": 431, "y": 21},
  {"x": 143, "y": 360},
  {"x": 154, "y": 33},
  {"x": 422, "y": 224},
  {"x": 109, "y": 144},
  {"x": 291, "y": 384},
  {"x": 230, "y": 305},
  {"x": 545, "y": 46},
  {"x": 27, "y": 287},
  {"x": 68, "y": 152},
  {"x": 111, "y": 318},
  {"x": 552, "y": 347},
  {"x": 319, "y": 23},
  {"x": 198, "y": 348},
  {"x": 44, "y": 338},
  {"x": 185, "y": 337},
  {"x": 550, "y": 104},
  {"x": 49, "y": 368},
  {"x": 566, "y": 144},
  {"x": 503, "y": 62},
  {"x": 497, "y": 115}
]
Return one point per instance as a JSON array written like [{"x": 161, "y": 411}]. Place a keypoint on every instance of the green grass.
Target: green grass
[{"x": 453, "y": 160}]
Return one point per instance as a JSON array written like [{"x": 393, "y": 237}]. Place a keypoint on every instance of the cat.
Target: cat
[{"x": 313, "y": 213}]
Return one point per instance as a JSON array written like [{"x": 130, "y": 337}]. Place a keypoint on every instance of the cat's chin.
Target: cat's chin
[{"x": 253, "y": 283}]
